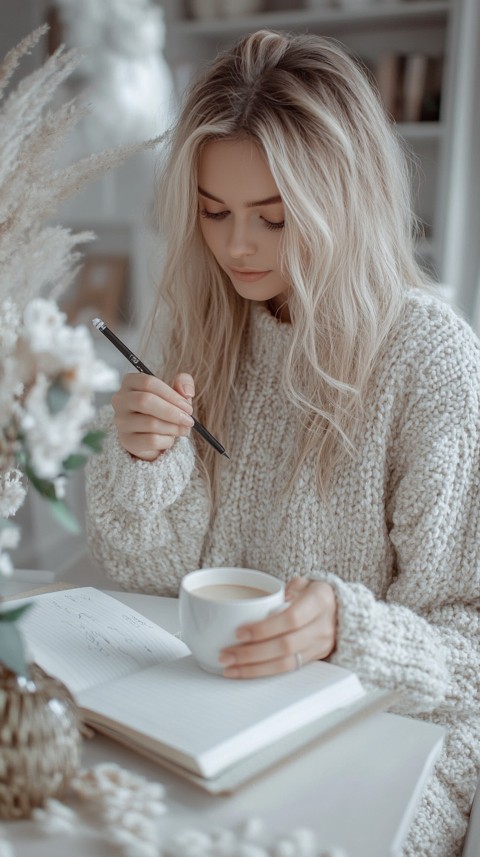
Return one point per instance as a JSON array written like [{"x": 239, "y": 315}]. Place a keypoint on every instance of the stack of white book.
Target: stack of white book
[{"x": 138, "y": 684}]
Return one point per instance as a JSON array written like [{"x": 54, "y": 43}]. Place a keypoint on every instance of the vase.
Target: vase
[{"x": 40, "y": 740}]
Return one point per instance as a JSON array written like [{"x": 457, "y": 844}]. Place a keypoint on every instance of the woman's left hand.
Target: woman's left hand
[{"x": 302, "y": 632}]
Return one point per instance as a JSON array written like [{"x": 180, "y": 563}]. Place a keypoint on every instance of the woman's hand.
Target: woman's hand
[
  {"x": 149, "y": 414},
  {"x": 305, "y": 631}
]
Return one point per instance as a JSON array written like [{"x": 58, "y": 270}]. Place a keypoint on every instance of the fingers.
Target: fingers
[
  {"x": 276, "y": 655},
  {"x": 295, "y": 586},
  {"x": 315, "y": 598},
  {"x": 149, "y": 415},
  {"x": 150, "y": 388},
  {"x": 306, "y": 627},
  {"x": 269, "y": 668},
  {"x": 151, "y": 405},
  {"x": 144, "y": 424},
  {"x": 184, "y": 384}
]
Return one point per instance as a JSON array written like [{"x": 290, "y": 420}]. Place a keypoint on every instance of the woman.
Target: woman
[{"x": 345, "y": 394}]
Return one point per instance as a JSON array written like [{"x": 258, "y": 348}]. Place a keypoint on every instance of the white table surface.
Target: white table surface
[{"x": 358, "y": 790}]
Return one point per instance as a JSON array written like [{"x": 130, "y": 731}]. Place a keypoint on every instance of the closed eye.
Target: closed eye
[
  {"x": 213, "y": 215},
  {"x": 272, "y": 224},
  {"x": 221, "y": 215}
]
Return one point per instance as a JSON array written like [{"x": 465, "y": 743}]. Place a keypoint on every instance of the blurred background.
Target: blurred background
[{"x": 138, "y": 57}]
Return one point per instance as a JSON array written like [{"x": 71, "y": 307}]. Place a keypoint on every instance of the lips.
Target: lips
[{"x": 248, "y": 275}]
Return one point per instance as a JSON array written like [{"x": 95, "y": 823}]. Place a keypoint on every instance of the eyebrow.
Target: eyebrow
[{"x": 270, "y": 200}]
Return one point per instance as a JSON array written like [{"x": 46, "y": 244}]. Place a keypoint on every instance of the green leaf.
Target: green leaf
[
  {"x": 59, "y": 510},
  {"x": 21, "y": 457},
  {"x": 45, "y": 487},
  {"x": 12, "y": 649},
  {"x": 94, "y": 440},
  {"x": 65, "y": 517},
  {"x": 74, "y": 461},
  {"x": 57, "y": 397},
  {"x": 13, "y": 615}
]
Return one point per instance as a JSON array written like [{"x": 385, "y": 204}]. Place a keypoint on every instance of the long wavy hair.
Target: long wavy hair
[{"x": 347, "y": 248}]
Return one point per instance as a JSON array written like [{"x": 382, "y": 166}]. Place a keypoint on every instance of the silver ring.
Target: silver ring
[{"x": 298, "y": 660}]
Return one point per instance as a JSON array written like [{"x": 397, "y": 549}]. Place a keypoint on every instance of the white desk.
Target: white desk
[{"x": 358, "y": 790}]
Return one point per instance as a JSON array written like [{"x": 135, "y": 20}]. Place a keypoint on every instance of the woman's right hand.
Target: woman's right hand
[{"x": 149, "y": 414}]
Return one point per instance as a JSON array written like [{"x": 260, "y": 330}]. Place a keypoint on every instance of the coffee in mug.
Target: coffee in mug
[
  {"x": 214, "y": 602},
  {"x": 229, "y": 592}
]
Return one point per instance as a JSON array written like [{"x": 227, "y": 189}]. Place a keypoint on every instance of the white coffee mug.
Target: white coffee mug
[{"x": 214, "y": 602}]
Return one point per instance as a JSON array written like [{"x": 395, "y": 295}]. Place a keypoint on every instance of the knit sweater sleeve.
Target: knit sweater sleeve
[
  {"x": 146, "y": 521},
  {"x": 423, "y": 638}
]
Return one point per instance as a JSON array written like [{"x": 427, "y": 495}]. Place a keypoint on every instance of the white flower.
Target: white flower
[
  {"x": 305, "y": 841},
  {"x": 11, "y": 389},
  {"x": 103, "y": 377},
  {"x": 42, "y": 319},
  {"x": 63, "y": 352},
  {"x": 9, "y": 536},
  {"x": 61, "y": 373},
  {"x": 223, "y": 840},
  {"x": 55, "y": 818},
  {"x": 50, "y": 438},
  {"x": 52, "y": 825},
  {"x": 285, "y": 848},
  {"x": 131, "y": 845},
  {"x": 60, "y": 487},
  {"x": 48, "y": 346},
  {"x": 12, "y": 493},
  {"x": 139, "y": 825},
  {"x": 83, "y": 372},
  {"x": 6, "y": 567},
  {"x": 253, "y": 829},
  {"x": 9, "y": 324}
]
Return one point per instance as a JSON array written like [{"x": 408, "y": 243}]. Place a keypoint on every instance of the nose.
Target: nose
[{"x": 241, "y": 242}]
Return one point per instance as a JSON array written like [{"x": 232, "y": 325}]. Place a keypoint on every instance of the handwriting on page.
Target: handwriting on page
[{"x": 85, "y": 637}]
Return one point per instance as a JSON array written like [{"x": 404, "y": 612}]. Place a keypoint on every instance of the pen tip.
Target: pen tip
[{"x": 226, "y": 456}]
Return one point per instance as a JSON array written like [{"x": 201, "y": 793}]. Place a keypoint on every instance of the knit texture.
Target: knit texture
[{"x": 398, "y": 537}]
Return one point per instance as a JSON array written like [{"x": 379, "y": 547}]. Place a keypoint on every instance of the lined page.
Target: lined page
[
  {"x": 217, "y": 721},
  {"x": 85, "y": 637}
]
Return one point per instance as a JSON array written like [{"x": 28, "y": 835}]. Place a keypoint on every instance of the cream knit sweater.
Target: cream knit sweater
[{"x": 399, "y": 538}]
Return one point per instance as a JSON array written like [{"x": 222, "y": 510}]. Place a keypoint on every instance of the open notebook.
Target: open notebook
[{"x": 137, "y": 683}]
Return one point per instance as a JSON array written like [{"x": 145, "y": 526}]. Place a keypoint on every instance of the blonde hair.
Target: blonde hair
[{"x": 347, "y": 245}]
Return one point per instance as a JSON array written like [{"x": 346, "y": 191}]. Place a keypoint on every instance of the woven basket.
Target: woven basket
[{"x": 40, "y": 740}]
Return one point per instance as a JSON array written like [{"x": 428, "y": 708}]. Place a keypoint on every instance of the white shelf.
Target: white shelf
[
  {"x": 426, "y": 131},
  {"x": 327, "y": 19}
]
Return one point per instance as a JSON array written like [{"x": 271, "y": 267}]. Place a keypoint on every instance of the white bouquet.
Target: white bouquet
[
  {"x": 48, "y": 376},
  {"x": 48, "y": 370}
]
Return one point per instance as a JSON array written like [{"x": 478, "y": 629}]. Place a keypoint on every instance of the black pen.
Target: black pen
[{"x": 135, "y": 361}]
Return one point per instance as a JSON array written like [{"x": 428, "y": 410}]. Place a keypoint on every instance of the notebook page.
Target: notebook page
[
  {"x": 217, "y": 721},
  {"x": 85, "y": 637}
]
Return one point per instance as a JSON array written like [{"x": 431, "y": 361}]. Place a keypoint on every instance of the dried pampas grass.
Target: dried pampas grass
[{"x": 37, "y": 258}]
